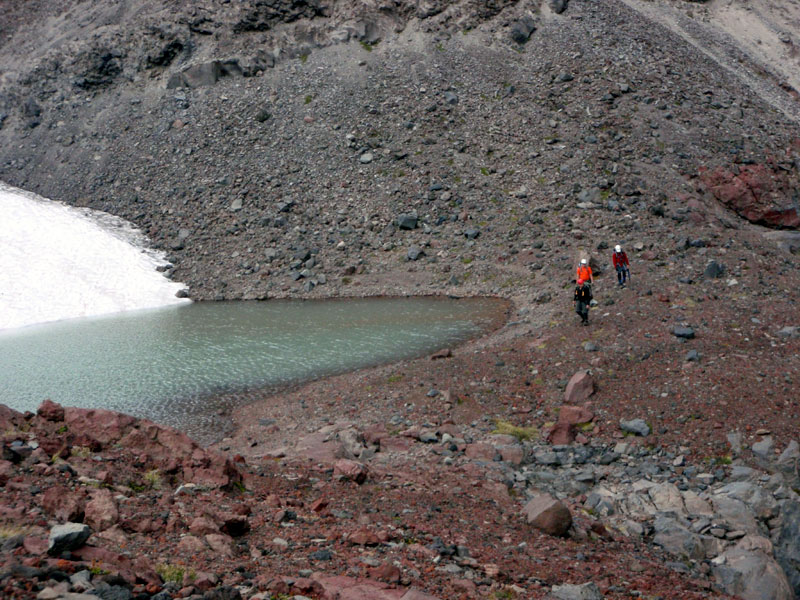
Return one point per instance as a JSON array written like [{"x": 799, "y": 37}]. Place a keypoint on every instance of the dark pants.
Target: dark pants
[
  {"x": 622, "y": 274},
  {"x": 583, "y": 310}
]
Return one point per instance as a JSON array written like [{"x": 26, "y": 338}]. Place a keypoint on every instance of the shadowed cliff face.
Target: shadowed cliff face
[{"x": 241, "y": 136}]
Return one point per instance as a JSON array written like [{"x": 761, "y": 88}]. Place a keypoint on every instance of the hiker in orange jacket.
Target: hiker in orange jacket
[{"x": 584, "y": 272}]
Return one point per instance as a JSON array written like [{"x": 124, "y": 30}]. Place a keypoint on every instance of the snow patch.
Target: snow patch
[{"x": 59, "y": 262}]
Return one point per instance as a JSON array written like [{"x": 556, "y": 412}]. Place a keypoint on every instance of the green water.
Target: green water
[{"x": 172, "y": 365}]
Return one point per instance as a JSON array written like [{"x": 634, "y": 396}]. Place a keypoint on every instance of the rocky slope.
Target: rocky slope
[{"x": 312, "y": 149}]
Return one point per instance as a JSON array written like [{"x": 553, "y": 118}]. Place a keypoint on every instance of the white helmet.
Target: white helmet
[
  {"x": 584, "y": 261},
  {"x": 617, "y": 248}
]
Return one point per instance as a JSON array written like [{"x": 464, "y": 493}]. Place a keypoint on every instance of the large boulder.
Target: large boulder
[
  {"x": 68, "y": 536},
  {"x": 751, "y": 575},
  {"x": 758, "y": 193},
  {"x": 579, "y": 388},
  {"x": 548, "y": 515},
  {"x": 787, "y": 548},
  {"x": 101, "y": 511}
]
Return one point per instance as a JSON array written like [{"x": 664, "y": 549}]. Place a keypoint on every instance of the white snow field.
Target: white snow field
[{"x": 59, "y": 262}]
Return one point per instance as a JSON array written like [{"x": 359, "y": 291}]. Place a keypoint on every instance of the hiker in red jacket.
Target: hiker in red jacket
[{"x": 621, "y": 264}]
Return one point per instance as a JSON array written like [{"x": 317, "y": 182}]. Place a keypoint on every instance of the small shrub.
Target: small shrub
[
  {"x": 152, "y": 479},
  {"x": 10, "y": 531},
  {"x": 174, "y": 573},
  {"x": 367, "y": 46},
  {"x": 80, "y": 451},
  {"x": 308, "y": 99},
  {"x": 394, "y": 378},
  {"x": 523, "y": 434}
]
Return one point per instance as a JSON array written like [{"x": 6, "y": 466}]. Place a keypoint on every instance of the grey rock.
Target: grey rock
[
  {"x": 790, "y": 455},
  {"x": 415, "y": 253},
  {"x": 789, "y": 332},
  {"x": 471, "y": 234},
  {"x": 636, "y": 426},
  {"x": 521, "y": 30},
  {"x": 787, "y": 548},
  {"x": 366, "y": 158},
  {"x": 751, "y": 575},
  {"x": 451, "y": 98},
  {"x": 571, "y": 591},
  {"x": 68, "y": 536},
  {"x": 205, "y": 74},
  {"x": 686, "y": 333},
  {"x": 559, "y": 6},
  {"x": 590, "y": 347},
  {"x": 407, "y": 221},
  {"x": 763, "y": 449},
  {"x": 676, "y": 537},
  {"x": 692, "y": 356},
  {"x": 714, "y": 270}
]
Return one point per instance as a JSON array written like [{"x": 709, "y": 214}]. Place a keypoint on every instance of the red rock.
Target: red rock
[
  {"x": 386, "y": 572},
  {"x": 319, "y": 505},
  {"x": 221, "y": 544},
  {"x": 235, "y": 525},
  {"x": 190, "y": 544},
  {"x": 202, "y": 526},
  {"x": 561, "y": 434},
  {"x": 396, "y": 444},
  {"x": 107, "y": 560},
  {"x": 9, "y": 419},
  {"x": 757, "y": 192},
  {"x": 350, "y": 469},
  {"x": 466, "y": 587},
  {"x": 363, "y": 537},
  {"x": 51, "y": 411},
  {"x": 101, "y": 511},
  {"x": 579, "y": 388},
  {"x": 6, "y": 471},
  {"x": 512, "y": 454},
  {"x": 575, "y": 415},
  {"x": 202, "y": 581},
  {"x": 446, "y": 353},
  {"x": 306, "y": 586},
  {"x": 548, "y": 515},
  {"x": 102, "y": 425},
  {"x": 481, "y": 451},
  {"x": 35, "y": 545}
]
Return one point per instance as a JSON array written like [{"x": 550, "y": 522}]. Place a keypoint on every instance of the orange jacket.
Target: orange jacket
[{"x": 584, "y": 272}]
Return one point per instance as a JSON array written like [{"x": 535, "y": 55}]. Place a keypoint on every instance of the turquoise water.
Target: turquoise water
[{"x": 171, "y": 365}]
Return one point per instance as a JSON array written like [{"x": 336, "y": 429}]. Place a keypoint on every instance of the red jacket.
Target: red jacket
[{"x": 620, "y": 259}]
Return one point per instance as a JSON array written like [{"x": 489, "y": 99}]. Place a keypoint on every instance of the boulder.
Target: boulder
[
  {"x": 676, "y": 538},
  {"x": 68, "y": 536},
  {"x": 205, "y": 74},
  {"x": 101, "y": 511},
  {"x": 635, "y": 426},
  {"x": 579, "y": 388},
  {"x": 787, "y": 548},
  {"x": 751, "y": 575},
  {"x": 548, "y": 515},
  {"x": 558, "y": 6},
  {"x": 51, "y": 411},
  {"x": 350, "y": 469},
  {"x": 407, "y": 221},
  {"x": 575, "y": 415},
  {"x": 64, "y": 504},
  {"x": 521, "y": 30},
  {"x": 759, "y": 193},
  {"x": 570, "y": 591},
  {"x": 561, "y": 434}
]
